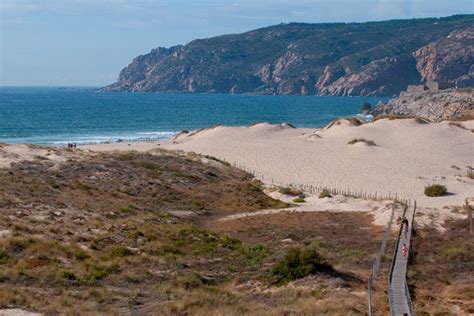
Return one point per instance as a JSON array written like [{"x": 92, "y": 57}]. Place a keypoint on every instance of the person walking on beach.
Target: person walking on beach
[
  {"x": 404, "y": 250},
  {"x": 405, "y": 226}
]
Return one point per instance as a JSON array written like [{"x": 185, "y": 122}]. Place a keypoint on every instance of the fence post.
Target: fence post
[
  {"x": 369, "y": 294},
  {"x": 470, "y": 218}
]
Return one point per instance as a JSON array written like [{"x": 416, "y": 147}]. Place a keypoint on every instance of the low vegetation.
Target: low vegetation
[
  {"x": 299, "y": 200},
  {"x": 470, "y": 173},
  {"x": 290, "y": 191},
  {"x": 435, "y": 190},
  {"x": 325, "y": 194},
  {"x": 97, "y": 233},
  {"x": 299, "y": 263},
  {"x": 440, "y": 274},
  {"x": 361, "y": 140}
]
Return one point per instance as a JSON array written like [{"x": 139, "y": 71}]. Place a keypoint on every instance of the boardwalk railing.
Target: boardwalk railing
[
  {"x": 374, "y": 273},
  {"x": 398, "y": 283}
]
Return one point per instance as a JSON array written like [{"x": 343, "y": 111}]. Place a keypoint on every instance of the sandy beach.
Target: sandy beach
[{"x": 406, "y": 157}]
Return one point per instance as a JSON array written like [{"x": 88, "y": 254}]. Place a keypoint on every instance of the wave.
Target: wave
[{"x": 103, "y": 139}]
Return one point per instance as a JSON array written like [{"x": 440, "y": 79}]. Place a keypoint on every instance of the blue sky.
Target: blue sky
[{"x": 87, "y": 42}]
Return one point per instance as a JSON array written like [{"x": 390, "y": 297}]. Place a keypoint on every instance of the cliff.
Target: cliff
[
  {"x": 434, "y": 106},
  {"x": 374, "y": 58}
]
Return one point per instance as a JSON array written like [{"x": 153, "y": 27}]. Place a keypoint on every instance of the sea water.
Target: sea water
[{"x": 55, "y": 116}]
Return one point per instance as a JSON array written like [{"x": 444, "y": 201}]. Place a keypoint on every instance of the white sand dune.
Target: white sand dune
[{"x": 407, "y": 156}]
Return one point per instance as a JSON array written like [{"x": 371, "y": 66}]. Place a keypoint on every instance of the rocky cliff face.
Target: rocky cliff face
[
  {"x": 450, "y": 59},
  {"x": 377, "y": 58},
  {"x": 451, "y": 104}
]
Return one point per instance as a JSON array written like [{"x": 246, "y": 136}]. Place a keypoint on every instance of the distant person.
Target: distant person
[
  {"x": 404, "y": 250},
  {"x": 405, "y": 227},
  {"x": 75, "y": 145}
]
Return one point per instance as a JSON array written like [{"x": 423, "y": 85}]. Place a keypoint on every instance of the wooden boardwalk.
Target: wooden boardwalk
[{"x": 399, "y": 295}]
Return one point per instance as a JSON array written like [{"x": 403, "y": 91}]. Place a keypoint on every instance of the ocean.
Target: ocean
[{"x": 55, "y": 116}]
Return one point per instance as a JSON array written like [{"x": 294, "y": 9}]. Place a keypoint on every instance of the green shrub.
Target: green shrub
[
  {"x": 100, "y": 272},
  {"x": 80, "y": 255},
  {"x": 435, "y": 190},
  {"x": 230, "y": 242},
  {"x": 255, "y": 254},
  {"x": 67, "y": 275},
  {"x": 298, "y": 264},
  {"x": 3, "y": 278},
  {"x": 299, "y": 200},
  {"x": 3, "y": 257},
  {"x": 325, "y": 194},
  {"x": 120, "y": 251}
]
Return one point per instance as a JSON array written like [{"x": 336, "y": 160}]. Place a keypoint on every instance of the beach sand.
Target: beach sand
[{"x": 407, "y": 156}]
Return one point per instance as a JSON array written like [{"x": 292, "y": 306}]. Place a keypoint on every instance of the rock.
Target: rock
[
  {"x": 366, "y": 108},
  {"x": 450, "y": 104},
  {"x": 449, "y": 59},
  {"x": 377, "y": 58}
]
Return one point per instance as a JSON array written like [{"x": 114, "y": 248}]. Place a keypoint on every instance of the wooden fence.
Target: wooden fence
[
  {"x": 314, "y": 188},
  {"x": 374, "y": 273}
]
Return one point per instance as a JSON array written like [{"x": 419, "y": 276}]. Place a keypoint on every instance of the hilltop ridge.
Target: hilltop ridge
[{"x": 345, "y": 59}]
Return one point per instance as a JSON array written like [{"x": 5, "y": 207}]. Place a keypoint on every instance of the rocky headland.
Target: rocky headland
[
  {"x": 375, "y": 58},
  {"x": 434, "y": 106}
]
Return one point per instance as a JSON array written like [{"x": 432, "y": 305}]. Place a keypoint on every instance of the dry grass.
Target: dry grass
[
  {"x": 470, "y": 173},
  {"x": 362, "y": 140},
  {"x": 96, "y": 236},
  {"x": 441, "y": 272},
  {"x": 290, "y": 191}
]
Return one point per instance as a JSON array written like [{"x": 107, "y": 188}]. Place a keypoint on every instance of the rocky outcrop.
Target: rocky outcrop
[
  {"x": 376, "y": 78},
  {"x": 450, "y": 104},
  {"x": 377, "y": 58},
  {"x": 449, "y": 59}
]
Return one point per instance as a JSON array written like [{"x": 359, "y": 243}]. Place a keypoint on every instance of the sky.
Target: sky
[{"x": 88, "y": 42}]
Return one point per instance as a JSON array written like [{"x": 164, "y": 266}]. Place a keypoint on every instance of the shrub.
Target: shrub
[
  {"x": 255, "y": 254},
  {"x": 299, "y": 200},
  {"x": 100, "y": 272},
  {"x": 80, "y": 255},
  {"x": 362, "y": 140},
  {"x": 290, "y": 191},
  {"x": 470, "y": 173},
  {"x": 120, "y": 251},
  {"x": 435, "y": 190},
  {"x": 3, "y": 257},
  {"x": 298, "y": 264},
  {"x": 325, "y": 194},
  {"x": 67, "y": 275}
]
